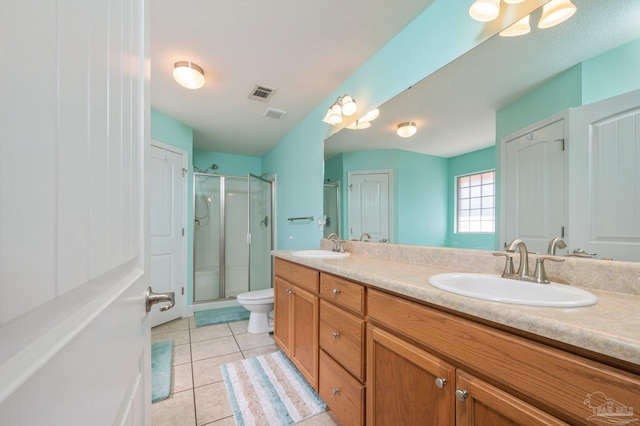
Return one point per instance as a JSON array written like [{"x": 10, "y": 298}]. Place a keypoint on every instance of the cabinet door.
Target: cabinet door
[
  {"x": 304, "y": 333},
  {"x": 282, "y": 317},
  {"x": 403, "y": 383},
  {"x": 478, "y": 403}
]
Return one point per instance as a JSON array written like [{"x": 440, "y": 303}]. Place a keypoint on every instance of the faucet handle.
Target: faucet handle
[
  {"x": 540, "y": 274},
  {"x": 509, "y": 270}
]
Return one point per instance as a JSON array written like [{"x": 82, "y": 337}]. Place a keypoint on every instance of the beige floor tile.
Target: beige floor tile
[
  {"x": 175, "y": 325},
  {"x": 263, "y": 350},
  {"x": 181, "y": 354},
  {"x": 254, "y": 340},
  {"x": 177, "y": 410},
  {"x": 210, "y": 332},
  {"x": 326, "y": 418},
  {"x": 192, "y": 321},
  {"x": 182, "y": 378},
  {"x": 239, "y": 327},
  {"x": 227, "y": 421},
  {"x": 208, "y": 371},
  {"x": 212, "y": 403},
  {"x": 213, "y": 347},
  {"x": 180, "y": 337}
]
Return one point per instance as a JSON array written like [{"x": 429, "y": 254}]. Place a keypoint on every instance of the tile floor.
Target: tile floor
[{"x": 198, "y": 395}]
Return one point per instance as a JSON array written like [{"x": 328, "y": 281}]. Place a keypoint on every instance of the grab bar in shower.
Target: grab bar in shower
[{"x": 291, "y": 219}]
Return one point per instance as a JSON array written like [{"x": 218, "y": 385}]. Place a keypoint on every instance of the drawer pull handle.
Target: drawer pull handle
[
  {"x": 336, "y": 291},
  {"x": 336, "y": 334},
  {"x": 335, "y": 391},
  {"x": 462, "y": 394},
  {"x": 440, "y": 382}
]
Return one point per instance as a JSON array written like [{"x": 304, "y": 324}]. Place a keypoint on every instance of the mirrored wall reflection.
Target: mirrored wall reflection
[
  {"x": 221, "y": 248},
  {"x": 331, "y": 208}
]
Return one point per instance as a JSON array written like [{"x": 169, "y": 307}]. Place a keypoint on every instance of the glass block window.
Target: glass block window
[{"x": 476, "y": 203}]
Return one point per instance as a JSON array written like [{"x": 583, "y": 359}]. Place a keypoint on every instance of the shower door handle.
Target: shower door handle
[{"x": 152, "y": 298}]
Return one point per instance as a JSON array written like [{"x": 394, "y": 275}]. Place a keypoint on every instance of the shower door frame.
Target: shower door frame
[
  {"x": 273, "y": 222},
  {"x": 222, "y": 237}
]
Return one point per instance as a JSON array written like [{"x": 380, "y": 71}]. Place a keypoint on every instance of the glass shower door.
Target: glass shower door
[
  {"x": 206, "y": 238},
  {"x": 260, "y": 233}
]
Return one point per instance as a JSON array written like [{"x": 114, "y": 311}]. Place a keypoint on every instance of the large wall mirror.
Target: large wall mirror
[{"x": 503, "y": 85}]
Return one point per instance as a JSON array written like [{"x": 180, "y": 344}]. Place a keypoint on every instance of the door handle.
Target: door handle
[{"x": 152, "y": 298}]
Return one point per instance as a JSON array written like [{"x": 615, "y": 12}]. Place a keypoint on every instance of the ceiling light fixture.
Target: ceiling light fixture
[
  {"x": 364, "y": 122},
  {"x": 556, "y": 12},
  {"x": 485, "y": 10},
  {"x": 188, "y": 74},
  {"x": 407, "y": 129},
  {"x": 553, "y": 13},
  {"x": 344, "y": 106},
  {"x": 521, "y": 27}
]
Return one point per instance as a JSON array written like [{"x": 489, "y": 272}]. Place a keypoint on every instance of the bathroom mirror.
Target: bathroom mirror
[{"x": 455, "y": 110}]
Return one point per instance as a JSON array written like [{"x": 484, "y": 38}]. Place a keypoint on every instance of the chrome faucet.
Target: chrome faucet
[
  {"x": 556, "y": 243},
  {"x": 539, "y": 275},
  {"x": 337, "y": 243},
  {"x": 365, "y": 234}
]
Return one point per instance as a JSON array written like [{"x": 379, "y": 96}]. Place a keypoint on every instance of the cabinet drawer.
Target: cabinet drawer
[
  {"x": 343, "y": 292},
  {"x": 342, "y": 393},
  {"x": 301, "y": 276},
  {"x": 557, "y": 381},
  {"x": 342, "y": 336}
]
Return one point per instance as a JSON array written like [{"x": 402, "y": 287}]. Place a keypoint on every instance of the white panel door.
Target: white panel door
[
  {"x": 535, "y": 186},
  {"x": 605, "y": 177},
  {"x": 74, "y": 333},
  {"x": 167, "y": 227},
  {"x": 369, "y": 205}
]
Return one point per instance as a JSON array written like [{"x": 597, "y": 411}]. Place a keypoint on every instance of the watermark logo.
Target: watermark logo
[{"x": 609, "y": 411}]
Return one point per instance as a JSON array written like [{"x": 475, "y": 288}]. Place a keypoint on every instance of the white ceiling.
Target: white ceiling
[
  {"x": 303, "y": 48},
  {"x": 455, "y": 107}
]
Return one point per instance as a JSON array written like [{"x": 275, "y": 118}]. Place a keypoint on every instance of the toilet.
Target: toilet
[{"x": 260, "y": 304}]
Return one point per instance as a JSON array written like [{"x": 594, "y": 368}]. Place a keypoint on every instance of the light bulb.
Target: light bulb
[
  {"x": 556, "y": 12},
  {"x": 485, "y": 10},
  {"x": 519, "y": 28},
  {"x": 349, "y": 106}
]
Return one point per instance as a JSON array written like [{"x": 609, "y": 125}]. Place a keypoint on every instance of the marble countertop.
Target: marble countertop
[{"x": 611, "y": 327}]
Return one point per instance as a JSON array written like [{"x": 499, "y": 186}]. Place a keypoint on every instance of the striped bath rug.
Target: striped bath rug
[{"x": 269, "y": 390}]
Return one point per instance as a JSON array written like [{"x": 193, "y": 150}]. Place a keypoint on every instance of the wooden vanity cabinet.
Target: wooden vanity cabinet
[
  {"x": 296, "y": 316},
  {"x": 342, "y": 348}
]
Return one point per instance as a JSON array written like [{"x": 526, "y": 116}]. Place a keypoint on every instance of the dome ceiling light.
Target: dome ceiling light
[
  {"x": 406, "y": 129},
  {"x": 188, "y": 74}
]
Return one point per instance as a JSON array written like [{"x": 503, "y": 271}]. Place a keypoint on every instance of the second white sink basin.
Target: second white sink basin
[
  {"x": 319, "y": 254},
  {"x": 498, "y": 289}
]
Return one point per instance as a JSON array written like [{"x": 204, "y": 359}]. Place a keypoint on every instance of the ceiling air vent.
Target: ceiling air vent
[
  {"x": 262, "y": 93},
  {"x": 275, "y": 113}
]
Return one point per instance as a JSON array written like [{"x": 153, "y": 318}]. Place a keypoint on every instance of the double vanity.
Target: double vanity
[{"x": 384, "y": 346}]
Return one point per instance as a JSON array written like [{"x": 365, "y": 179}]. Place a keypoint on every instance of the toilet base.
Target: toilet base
[{"x": 259, "y": 323}]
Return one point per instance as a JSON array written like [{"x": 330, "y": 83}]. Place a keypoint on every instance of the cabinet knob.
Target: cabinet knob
[
  {"x": 336, "y": 291},
  {"x": 461, "y": 394},
  {"x": 335, "y": 391},
  {"x": 289, "y": 291},
  {"x": 336, "y": 334},
  {"x": 440, "y": 382}
]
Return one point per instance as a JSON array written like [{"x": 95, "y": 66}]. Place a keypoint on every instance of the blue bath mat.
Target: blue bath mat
[
  {"x": 161, "y": 358},
  {"x": 218, "y": 316}
]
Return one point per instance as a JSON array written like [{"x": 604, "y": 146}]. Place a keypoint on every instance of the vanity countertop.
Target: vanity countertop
[{"x": 611, "y": 327}]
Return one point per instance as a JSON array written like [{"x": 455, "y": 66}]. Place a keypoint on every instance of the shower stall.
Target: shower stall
[{"x": 233, "y": 235}]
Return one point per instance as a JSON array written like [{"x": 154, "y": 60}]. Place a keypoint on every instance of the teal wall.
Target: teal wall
[
  {"x": 171, "y": 132},
  {"x": 598, "y": 82},
  {"x": 436, "y": 37},
  {"x": 473, "y": 162},
  {"x": 229, "y": 164}
]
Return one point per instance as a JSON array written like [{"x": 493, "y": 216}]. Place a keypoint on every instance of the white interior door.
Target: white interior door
[
  {"x": 74, "y": 334},
  {"x": 534, "y": 190},
  {"x": 369, "y": 205},
  {"x": 605, "y": 177},
  {"x": 167, "y": 228}
]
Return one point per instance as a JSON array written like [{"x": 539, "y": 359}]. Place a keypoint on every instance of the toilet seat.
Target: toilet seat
[{"x": 256, "y": 297}]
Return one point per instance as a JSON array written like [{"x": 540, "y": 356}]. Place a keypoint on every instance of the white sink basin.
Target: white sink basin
[
  {"x": 498, "y": 289},
  {"x": 320, "y": 254}
]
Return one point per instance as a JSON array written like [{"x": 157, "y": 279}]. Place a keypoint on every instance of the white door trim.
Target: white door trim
[
  {"x": 181, "y": 302},
  {"x": 389, "y": 173}
]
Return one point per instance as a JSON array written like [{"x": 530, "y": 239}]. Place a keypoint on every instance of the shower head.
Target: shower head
[{"x": 214, "y": 166}]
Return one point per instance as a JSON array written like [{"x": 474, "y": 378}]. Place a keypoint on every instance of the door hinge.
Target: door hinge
[
  {"x": 562, "y": 142},
  {"x": 183, "y": 232},
  {"x": 184, "y": 172},
  {"x": 562, "y": 232},
  {"x": 183, "y": 291}
]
